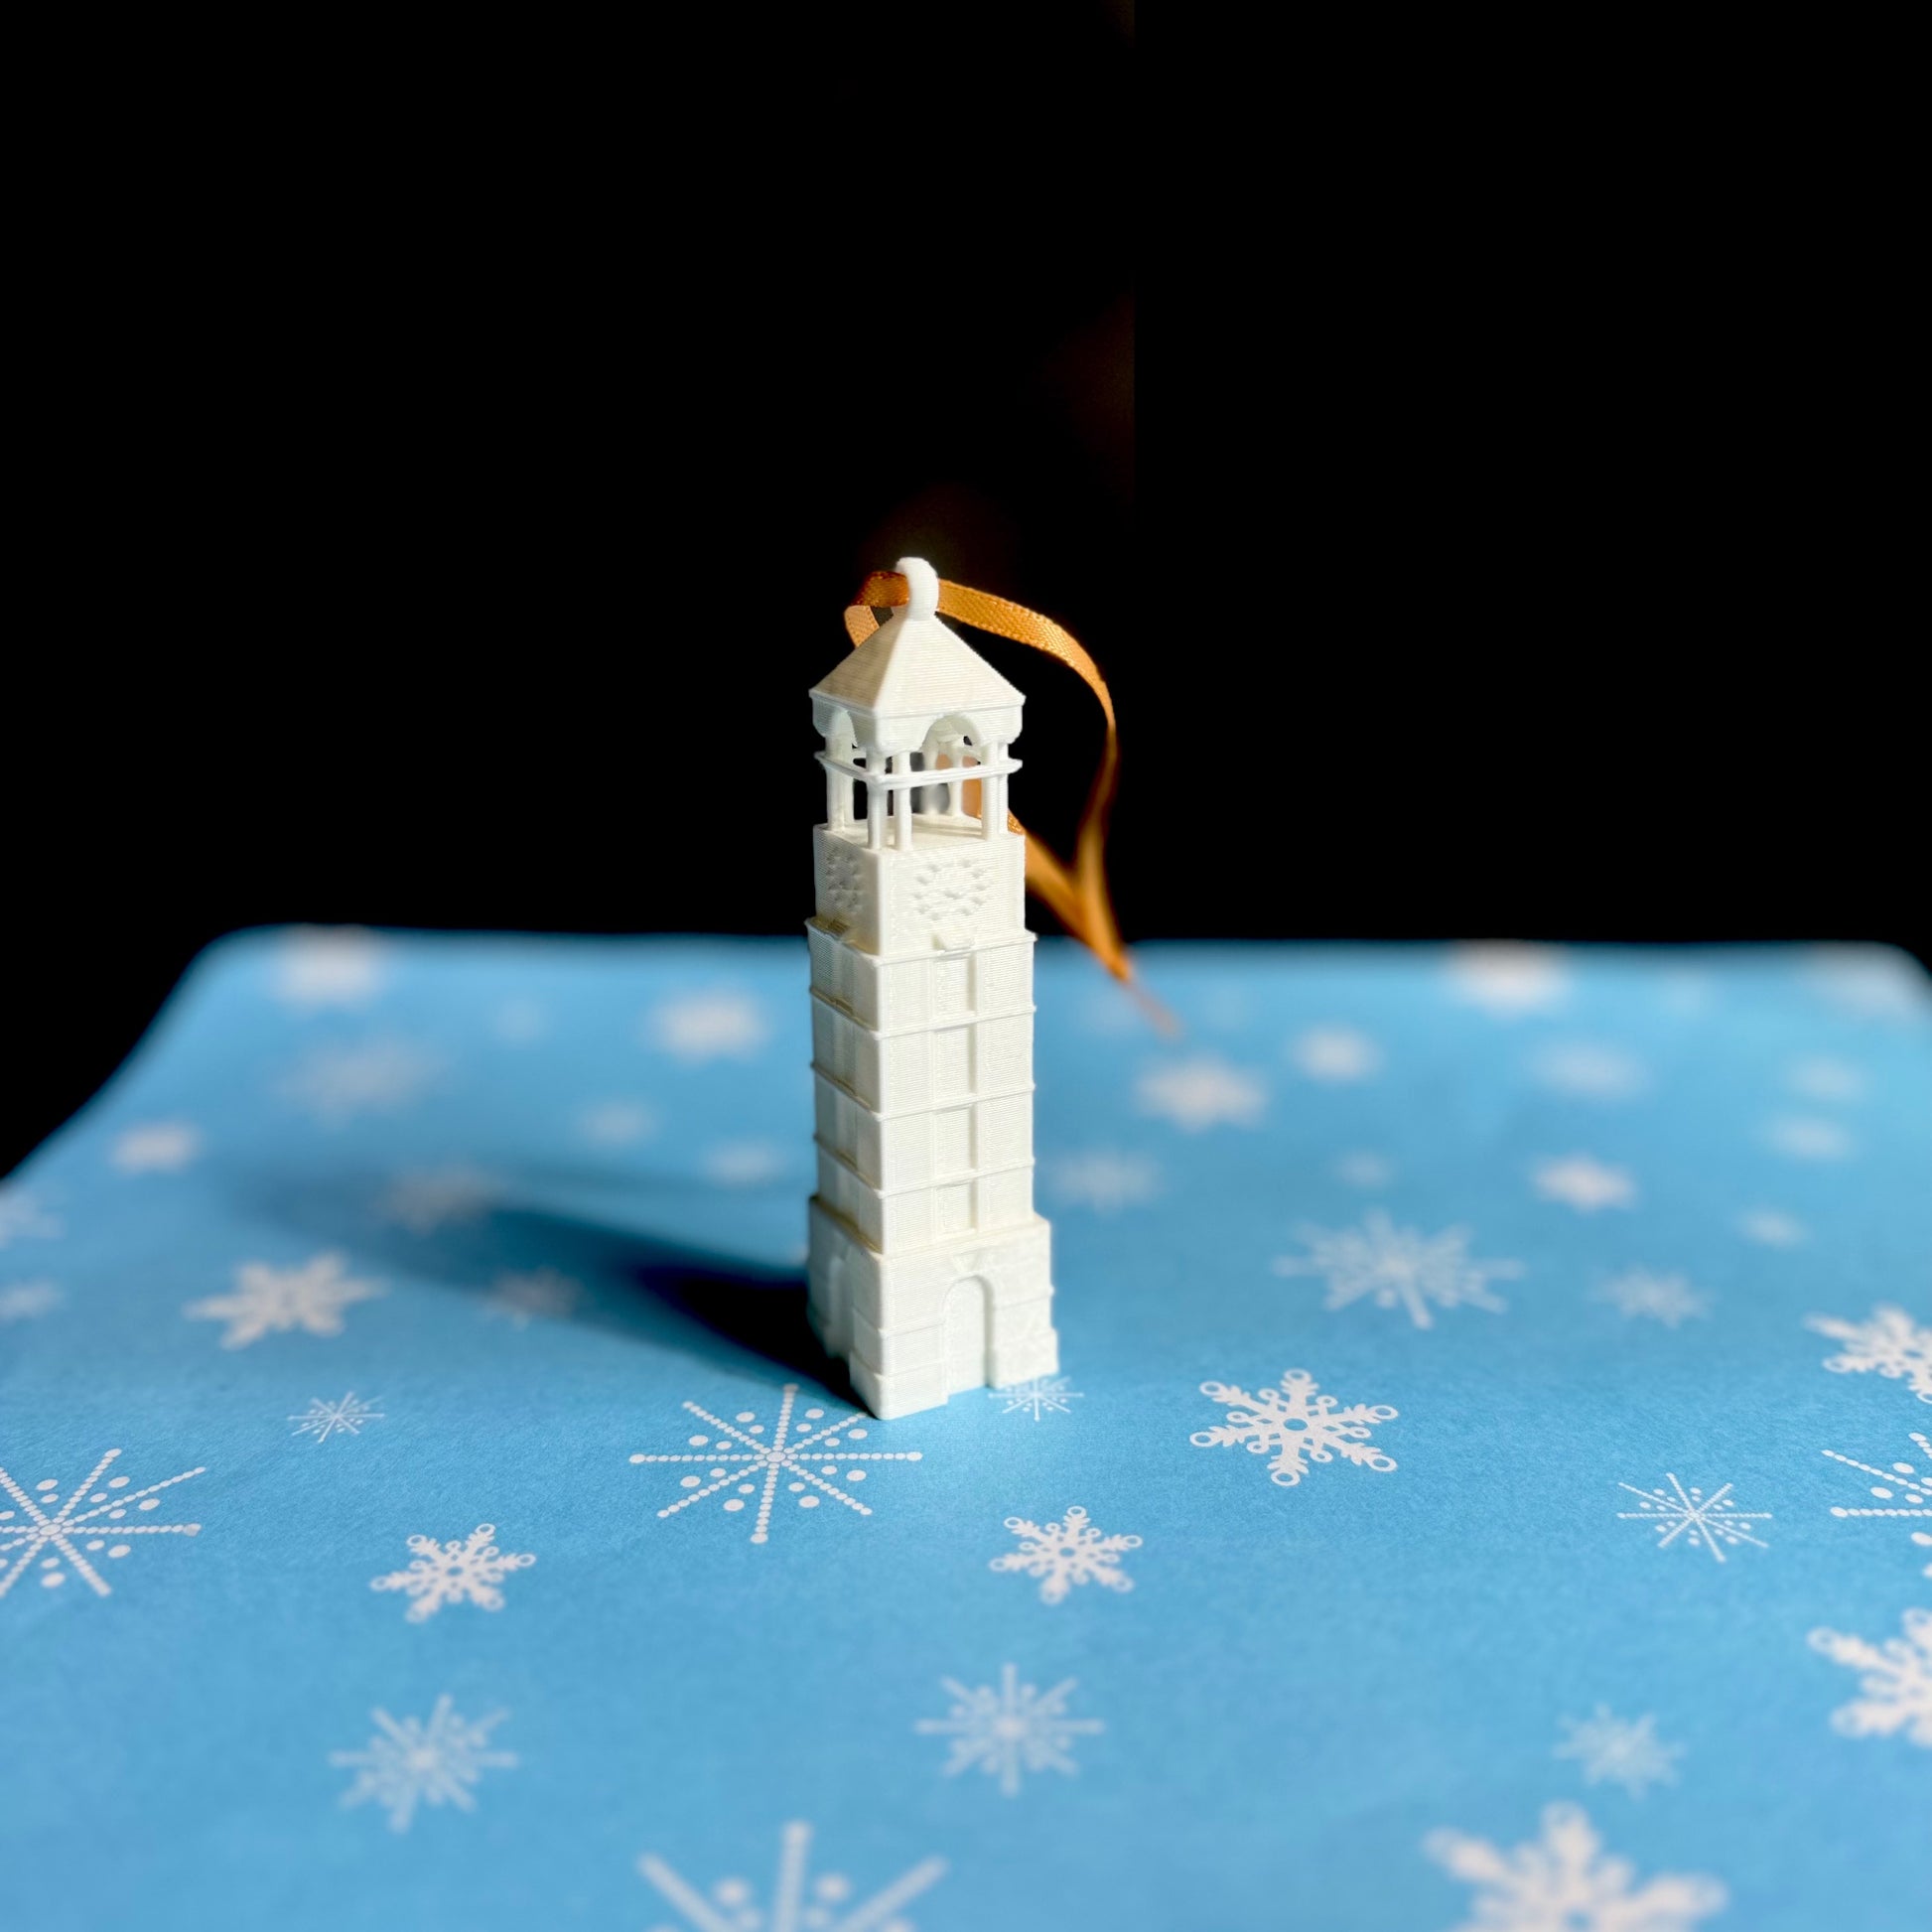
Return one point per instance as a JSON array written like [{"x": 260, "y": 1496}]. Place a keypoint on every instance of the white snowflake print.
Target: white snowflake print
[
  {"x": 542, "y": 1295},
  {"x": 1803, "y": 1137},
  {"x": 1890, "y": 1342},
  {"x": 1561, "y": 1882},
  {"x": 334, "y": 1084},
  {"x": 323, "y": 1420},
  {"x": 1103, "y": 1180},
  {"x": 1585, "y": 1183},
  {"x": 23, "y": 1217},
  {"x": 470, "y": 1571},
  {"x": 745, "y": 1163},
  {"x": 276, "y": 1301},
  {"x": 155, "y": 1146},
  {"x": 1042, "y": 1395},
  {"x": 1712, "y": 1522},
  {"x": 1584, "y": 1071},
  {"x": 23, "y": 1300},
  {"x": 1111, "y": 1012},
  {"x": 1202, "y": 1092},
  {"x": 1508, "y": 979},
  {"x": 1362, "y": 1168},
  {"x": 520, "y": 1022},
  {"x": 433, "y": 1760},
  {"x": 423, "y": 1199},
  {"x": 1901, "y": 1491},
  {"x": 1895, "y": 1692},
  {"x": 41, "y": 1522},
  {"x": 1008, "y": 1730},
  {"x": 616, "y": 1123},
  {"x": 1065, "y": 1553},
  {"x": 1620, "y": 1751},
  {"x": 1399, "y": 1267},
  {"x": 328, "y": 966},
  {"x": 1296, "y": 1426},
  {"x": 799, "y": 1902},
  {"x": 1683, "y": 989},
  {"x": 1869, "y": 982},
  {"x": 805, "y": 1462},
  {"x": 1335, "y": 1054},
  {"x": 1821, "y": 1077},
  {"x": 1771, "y": 1229},
  {"x": 1668, "y": 1299},
  {"x": 718, "y": 1025}
]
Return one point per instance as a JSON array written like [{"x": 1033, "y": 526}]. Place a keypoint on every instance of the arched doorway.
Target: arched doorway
[{"x": 966, "y": 1334}]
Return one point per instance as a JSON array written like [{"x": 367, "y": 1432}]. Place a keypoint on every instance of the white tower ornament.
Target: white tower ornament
[{"x": 929, "y": 1270}]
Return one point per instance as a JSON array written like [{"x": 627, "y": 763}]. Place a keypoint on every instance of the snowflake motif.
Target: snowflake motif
[
  {"x": 1065, "y": 1553},
  {"x": 1362, "y": 1168},
  {"x": 453, "y": 1572},
  {"x": 805, "y": 1462},
  {"x": 520, "y": 1022},
  {"x": 1583, "y": 1071},
  {"x": 844, "y": 881},
  {"x": 334, "y": 1084},
  {"x": 1336, "y": 1055},
  {"x": 1682, "y": 989},
  {"x": 1200, "y": 1093},
  {"x": 1008, "y": 1730},
  {"x": 1869, "y": 982},
  {"x": 616, "y": 1123},
  {"x": 275, "y": 1301},
  {"x": 324, "y": 1419},
  {"x": 1771, "y": 1229},
  {"x": 697, "y": 1026},
  {"x": 798, "y": 1903},
  {"x": 67, "y": 1530},
  {"x": 1103, "y": 1180},
  {"x": 1399, "y": 1267},
  {"x": 1824, "y": 1079},
  {"x": 1889, "y": 1342},
  {"x": 1622, "y": 1750},
  {"x": 1508, "y": 979},
  {"x": 23, "y": 1300},
  {"x": 423, "y": 1199},
  {"x": 1295, "y": 1424},
  {"x": 1897, "y": 1689},
  {"x": 417, "y": 1761},
  {"x": 1801, "y": 1137},
  {"x": 22, "y": 1216},
  {"x": 542, "y": 1295},
  {"x": 155, "y": 1146},
  {"x": 1110, "y": 1013},
  {"x": 1704, "y": 1522},
  {"x": 1562, "y": 1883},
  {"x": 1668, "y": 1299},
  {"x": 1901, "y": 1485},
  {"x": 745, "y": 1163},
  {"x": 951, "y": 891},
  {"x": 1585, "y": 1183},
  {"x": 1043, "y": 1395},
  {"x": 323, "y": 966}
]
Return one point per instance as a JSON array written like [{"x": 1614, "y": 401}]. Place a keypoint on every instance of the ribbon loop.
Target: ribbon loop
[{"x": 1077, "y": 894}]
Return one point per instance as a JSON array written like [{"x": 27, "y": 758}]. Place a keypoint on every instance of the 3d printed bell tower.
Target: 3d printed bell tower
[{"x": 930, "y": 1272}]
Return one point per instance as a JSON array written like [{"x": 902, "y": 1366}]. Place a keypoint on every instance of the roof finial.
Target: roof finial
[{"x": 921, "y": 588}]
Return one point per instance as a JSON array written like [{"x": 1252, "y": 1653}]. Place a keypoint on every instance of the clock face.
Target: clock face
[
  {"x": 845, "y": 881},
  {"x": 951, "y": 891}
]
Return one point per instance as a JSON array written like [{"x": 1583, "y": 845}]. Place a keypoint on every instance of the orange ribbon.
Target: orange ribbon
[{"x": 1077, "y": 893}]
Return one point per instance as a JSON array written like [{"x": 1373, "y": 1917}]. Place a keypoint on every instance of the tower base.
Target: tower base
[{"x": 919, "y": 1326}]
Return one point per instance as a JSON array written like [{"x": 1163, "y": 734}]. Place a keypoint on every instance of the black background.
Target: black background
[{"x": 450, "y": 540}]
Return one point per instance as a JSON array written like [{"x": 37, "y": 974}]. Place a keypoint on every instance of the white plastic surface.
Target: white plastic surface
[{"x": 930, "y": 1272}]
